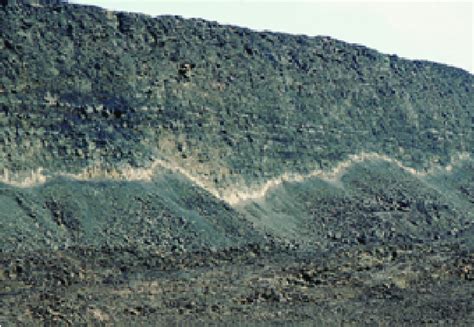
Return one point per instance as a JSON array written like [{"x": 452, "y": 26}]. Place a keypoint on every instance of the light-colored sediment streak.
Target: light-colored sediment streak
[
  {"x": 124, "y": 173},
  {"x": 237, "y": 196},
  {"x": 231, "y": 195}
]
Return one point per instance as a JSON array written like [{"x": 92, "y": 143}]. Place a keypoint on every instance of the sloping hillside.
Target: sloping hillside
[{"x": 156, "y": 171}]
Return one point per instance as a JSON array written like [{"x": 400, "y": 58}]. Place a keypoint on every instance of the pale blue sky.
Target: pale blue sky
[{"x": 436, "y": 31}]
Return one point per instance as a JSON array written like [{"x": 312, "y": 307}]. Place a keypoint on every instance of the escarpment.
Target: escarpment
[{"x": 83, "y": 88}]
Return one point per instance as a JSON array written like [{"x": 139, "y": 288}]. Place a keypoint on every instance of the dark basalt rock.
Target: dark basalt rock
[
  {"x": 83, "y": 87},
  {"x": 227, "y": 95}
]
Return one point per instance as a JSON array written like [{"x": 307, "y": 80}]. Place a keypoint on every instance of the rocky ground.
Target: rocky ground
[
  {"x": 334, "y": 261},
  {"x": 389, "y": 285},
  {"x": 166, "y": 171}
]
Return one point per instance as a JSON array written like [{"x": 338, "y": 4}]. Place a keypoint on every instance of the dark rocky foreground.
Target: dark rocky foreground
[
  {"x": 253, "y": 285},
  {"x": 124, "y": 137},
  {"x": 167, "y": 252}
]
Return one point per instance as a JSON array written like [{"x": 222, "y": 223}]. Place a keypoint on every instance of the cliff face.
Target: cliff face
[
  {"x": 83, "y": 87},
  {"x": 268, "y": 129},
  {"x": 163, "y": 170}
]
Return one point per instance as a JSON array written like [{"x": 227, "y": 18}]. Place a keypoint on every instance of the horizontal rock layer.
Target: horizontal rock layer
[{"x": 83, "y": 87}]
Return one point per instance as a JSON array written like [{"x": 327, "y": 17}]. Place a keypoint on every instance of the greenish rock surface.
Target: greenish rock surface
[
  {"x": 164, "y": 171},
  {"x": 82, "y": 86}
]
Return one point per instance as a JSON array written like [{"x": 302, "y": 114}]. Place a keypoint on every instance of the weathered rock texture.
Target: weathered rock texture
[
  {"x": 155, "y": 171},
  {"x": 81, "y": 87}
]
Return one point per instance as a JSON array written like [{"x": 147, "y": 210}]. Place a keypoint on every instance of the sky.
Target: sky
[{"x": 440, "y": 31}]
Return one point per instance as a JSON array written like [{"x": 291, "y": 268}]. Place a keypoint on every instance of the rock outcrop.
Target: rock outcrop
[{"x": 160, "y": 171}]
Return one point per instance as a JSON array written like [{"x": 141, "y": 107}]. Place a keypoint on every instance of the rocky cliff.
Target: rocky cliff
[
  {"x": 83, "y": 87},
  {"x": 157, "y": 170}
]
